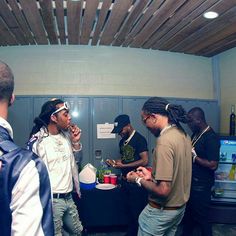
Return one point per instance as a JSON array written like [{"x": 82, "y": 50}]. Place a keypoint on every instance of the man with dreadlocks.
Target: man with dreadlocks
[
  {"x": 169, "y": 183},
  {"x": 56, "y": 140}
]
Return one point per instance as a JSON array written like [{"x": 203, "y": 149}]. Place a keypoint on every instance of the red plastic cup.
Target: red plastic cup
[
  {"x": 106, "y": 179},
  {"x": 113, "y": 179}
]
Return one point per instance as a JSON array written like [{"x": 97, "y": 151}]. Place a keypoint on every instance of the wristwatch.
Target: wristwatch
[{"x": 138, "y": 181}]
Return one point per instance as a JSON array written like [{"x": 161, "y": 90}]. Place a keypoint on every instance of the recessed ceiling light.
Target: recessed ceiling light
[{"x": 210, "y": 15}]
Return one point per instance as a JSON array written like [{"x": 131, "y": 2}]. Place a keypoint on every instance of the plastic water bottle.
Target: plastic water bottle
[{"x": 232, "y": 121}]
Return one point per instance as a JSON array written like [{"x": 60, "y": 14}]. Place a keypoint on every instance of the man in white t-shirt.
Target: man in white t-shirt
[{"x": 56, "y": 140}]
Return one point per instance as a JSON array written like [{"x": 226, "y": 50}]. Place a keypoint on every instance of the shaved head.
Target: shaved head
[
  {"x": 6, "y": 82},
  {"x": 198, "y": 113}
]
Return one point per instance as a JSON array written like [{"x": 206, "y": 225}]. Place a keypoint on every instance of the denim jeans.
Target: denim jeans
[
  {"x": 136, "y": 200},
  {"x": 158, "y": 222},
  {"x": 65, "y": 215}
]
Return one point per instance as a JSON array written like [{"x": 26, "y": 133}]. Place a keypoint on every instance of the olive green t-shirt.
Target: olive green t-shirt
[{"x": 172, "y": 162}]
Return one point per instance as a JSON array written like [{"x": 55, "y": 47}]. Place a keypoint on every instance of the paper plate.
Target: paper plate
[{"x": 105, "y": 186}]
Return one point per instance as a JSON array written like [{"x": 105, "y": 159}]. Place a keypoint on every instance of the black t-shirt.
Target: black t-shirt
[
  {"x": 130, "y": 152},
  {"x": 207, "y": 147}
]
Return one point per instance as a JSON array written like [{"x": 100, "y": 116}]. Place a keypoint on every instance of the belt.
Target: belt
[
  {"x": 62, "y": 195},
  {"x": 158, "y": 206}
]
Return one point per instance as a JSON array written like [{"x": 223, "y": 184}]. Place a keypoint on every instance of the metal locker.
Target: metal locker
[
  {"x": 80, "y": 112},
  {"x": 21, "y": 117},
  {"x": 104, "y": 110}
]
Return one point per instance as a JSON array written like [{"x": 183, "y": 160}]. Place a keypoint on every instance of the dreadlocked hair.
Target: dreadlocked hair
[
  {"x": 45, "y": 115},
  {"x": 175, "y": 113}
]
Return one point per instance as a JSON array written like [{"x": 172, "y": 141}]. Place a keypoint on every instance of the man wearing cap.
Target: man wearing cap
[{"x": 134, "y": 153}]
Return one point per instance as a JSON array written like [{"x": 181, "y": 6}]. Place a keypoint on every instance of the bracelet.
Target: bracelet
[
  {"x": 194, "y": 158},
  {"x": 138, "y": 181},
  {"x": 76, "y": 143},
  {"x": 76, "y": 146}
]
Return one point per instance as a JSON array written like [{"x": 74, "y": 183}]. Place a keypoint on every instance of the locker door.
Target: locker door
[
  {"x": 133, "y": 107},
  {"x": 81, "y": 116},
  {"x": 104, "y": 111},
  {"x": 20, "y": 118},
  {"x": 210, "y": 109}
]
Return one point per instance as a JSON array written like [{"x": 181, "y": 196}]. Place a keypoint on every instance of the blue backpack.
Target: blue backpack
[{"x": 14, "y": 159}]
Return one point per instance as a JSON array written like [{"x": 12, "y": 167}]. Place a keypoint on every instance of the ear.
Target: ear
[
  {"x": 54, "y": 118},
  {"x": 156, "y": 117},
  {"x": 12, "y": 99}
]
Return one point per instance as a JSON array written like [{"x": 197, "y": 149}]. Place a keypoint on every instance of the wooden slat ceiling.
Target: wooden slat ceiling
[{"x": 168, "y": 25}]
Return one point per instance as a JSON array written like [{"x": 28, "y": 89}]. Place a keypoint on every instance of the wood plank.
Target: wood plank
[
  {"x": 48, "y": 20},
  {"x": 128, "y": 24},
  {"x": 222, "y": 28},
  {"x": 167, "y": 9},
  {"x": 7, "y": 35},
  {"x": 101, "y": 19},
  {"x": 60, "y": 20},
  {"x": 34, "y": 19},
  {"x": 217, "y": 46},
  {"x": 118, "y": 14},
  {"x": 2, "y": 41},
  {"x": 214, "y": 37},
  {"x": 228, "y": 45},
  {"x": 197, "y": 29},
  {"x": 173, "y": 21},
  {"x": 189, "y": 27},
  {"x": 74, "y": 12},
  {"x": 21, "y": 21},
  {"x": 169, "y": 38},
  {"x": 88, "y": 19},
  {"x": 143, "y": 21},
  {"x": 11, "y": 22}
]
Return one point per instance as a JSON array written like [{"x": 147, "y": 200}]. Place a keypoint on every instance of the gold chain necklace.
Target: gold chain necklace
[
  {"x": 127, "y": 140},
  {"x": 196, "y": 138}
]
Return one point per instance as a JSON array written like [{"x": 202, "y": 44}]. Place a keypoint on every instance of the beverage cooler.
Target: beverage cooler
[{"x": 223, "y": 207}]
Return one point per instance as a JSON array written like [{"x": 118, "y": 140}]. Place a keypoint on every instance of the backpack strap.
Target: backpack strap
[
  {"x": 8, "y": 146},
  {"x": 6, "y": 142}
]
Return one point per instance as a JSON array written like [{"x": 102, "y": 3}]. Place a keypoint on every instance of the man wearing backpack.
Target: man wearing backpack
[{"x": 25, "y": 192}]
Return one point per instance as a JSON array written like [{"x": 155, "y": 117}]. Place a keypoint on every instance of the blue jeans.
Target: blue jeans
[
  {"x": 157, "y": 222},
  {"x": 65, "y": 215}
]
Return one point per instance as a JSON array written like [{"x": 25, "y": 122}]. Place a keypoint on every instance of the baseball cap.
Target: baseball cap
[{"x": 120, "y": 122}]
